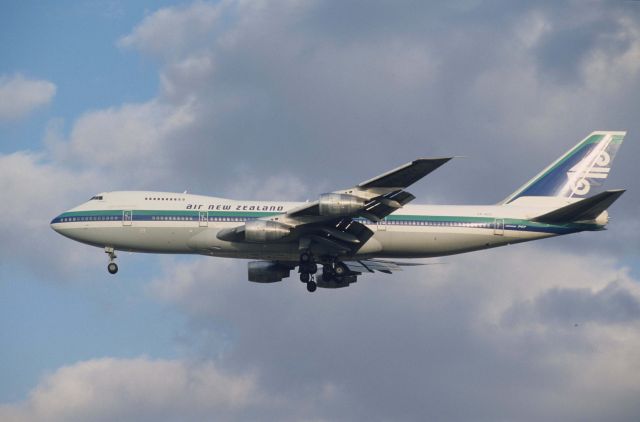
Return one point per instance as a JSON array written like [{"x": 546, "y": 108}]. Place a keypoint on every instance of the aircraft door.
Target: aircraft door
[
  {"x": 382, "y": 225},
  {"x": 498, "y": 227},
  {"x": 203, "y": 217},
  {"x": 127, "y": 217}
]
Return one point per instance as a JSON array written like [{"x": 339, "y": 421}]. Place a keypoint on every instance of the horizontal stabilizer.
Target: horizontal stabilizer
[{"x": 583, "y": 210}]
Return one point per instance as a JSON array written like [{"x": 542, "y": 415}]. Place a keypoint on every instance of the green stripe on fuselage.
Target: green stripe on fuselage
[
  {"x": 390, "y": 218},
  {"x": 181, "y": 213},
  {"x": 485, "y": 220}
]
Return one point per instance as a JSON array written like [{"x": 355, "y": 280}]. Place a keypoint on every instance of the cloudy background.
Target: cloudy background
[{"x": 286, "y": 99}]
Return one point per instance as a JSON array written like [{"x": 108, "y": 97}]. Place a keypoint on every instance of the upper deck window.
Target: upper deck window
[{"x": 97, "y": 197}]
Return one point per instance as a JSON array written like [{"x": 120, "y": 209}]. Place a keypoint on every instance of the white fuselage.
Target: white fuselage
[{"x": 160, "y": 222}]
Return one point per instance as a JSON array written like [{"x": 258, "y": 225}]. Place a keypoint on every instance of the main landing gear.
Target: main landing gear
[
  {"x": 333, "y": 272},
  {"x": 307, "y": 269},
  {"x": 112, "y": 267}
]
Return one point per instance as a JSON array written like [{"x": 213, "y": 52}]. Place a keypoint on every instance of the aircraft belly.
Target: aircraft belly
[
  {"x": 431, "y": 243},
  {"x": 202, "y": 240}
]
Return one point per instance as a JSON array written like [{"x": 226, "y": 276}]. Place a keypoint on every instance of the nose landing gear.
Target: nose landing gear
[{"x": 112, "y": 267}]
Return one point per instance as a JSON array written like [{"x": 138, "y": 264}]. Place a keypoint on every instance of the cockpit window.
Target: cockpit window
[{"x": 97, "y": 197}]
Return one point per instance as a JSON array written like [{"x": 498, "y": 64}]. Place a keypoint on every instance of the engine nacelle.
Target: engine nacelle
[
  {"x": 267, "y": 272},
  {"x": 260, "y": 231},
  {"x": 339, "y": 204}
]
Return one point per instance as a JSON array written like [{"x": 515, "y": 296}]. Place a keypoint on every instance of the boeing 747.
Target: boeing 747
[{"x": 350, "y": 232}]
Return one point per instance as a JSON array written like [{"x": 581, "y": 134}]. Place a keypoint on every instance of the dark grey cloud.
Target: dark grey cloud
[
  {"x": 613, "y": 304},
  {"x": 564, "y": 51},
  {"x": 561, "y": 54}
]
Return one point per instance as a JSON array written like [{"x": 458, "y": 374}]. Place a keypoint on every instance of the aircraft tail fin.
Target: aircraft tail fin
[
  {"x": 580, "y": 171},
  {"x": 587, "y": 209}
]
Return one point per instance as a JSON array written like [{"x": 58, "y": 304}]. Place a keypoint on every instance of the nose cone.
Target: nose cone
[{"x": 55, "y": 223}]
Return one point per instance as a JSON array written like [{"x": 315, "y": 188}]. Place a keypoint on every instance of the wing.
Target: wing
[
  {"x": 329, "y": 225},
  {"x": 405, "y": 175},
  {"x": 374, "y": 198}
]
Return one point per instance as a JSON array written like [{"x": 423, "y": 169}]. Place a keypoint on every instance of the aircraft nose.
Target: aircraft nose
[{"x": 55, "y": 223}]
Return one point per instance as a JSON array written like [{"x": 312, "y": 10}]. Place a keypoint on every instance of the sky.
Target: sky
[{"x": 284, "y": 100}]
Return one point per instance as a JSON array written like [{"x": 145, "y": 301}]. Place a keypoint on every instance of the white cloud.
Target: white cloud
[
  {"x": 19, "y": 96},
  {"x": 35, "y": 190},
  {"x": 169, "y": 31},
  {"x": 138, "y": 389},
  {"x": 131, "y": 142},
  {"x": 182, "y": 78}
]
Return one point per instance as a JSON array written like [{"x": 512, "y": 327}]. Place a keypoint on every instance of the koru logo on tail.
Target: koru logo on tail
[{"x": 580, "y": 176}]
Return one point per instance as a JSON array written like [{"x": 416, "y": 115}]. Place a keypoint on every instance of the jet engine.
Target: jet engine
[
  {"x": 338, "y": 204},
  {"x": 267, "y": 271},
  {"x": 260, "y": 231}
]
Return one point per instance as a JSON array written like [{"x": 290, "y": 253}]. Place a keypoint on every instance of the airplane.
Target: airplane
[{"x": 353, "y": 231}]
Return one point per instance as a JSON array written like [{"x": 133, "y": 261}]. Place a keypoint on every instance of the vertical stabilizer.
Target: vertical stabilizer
[{"x": 578, "y": 173}]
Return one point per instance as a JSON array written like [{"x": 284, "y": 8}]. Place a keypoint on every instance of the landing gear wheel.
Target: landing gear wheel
[
  {"x": 311, "y": 286},
  {"x": 340, "y": 269},
  {"x": 112, "y": 268},
  {"x": 305, "y": 278}
]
